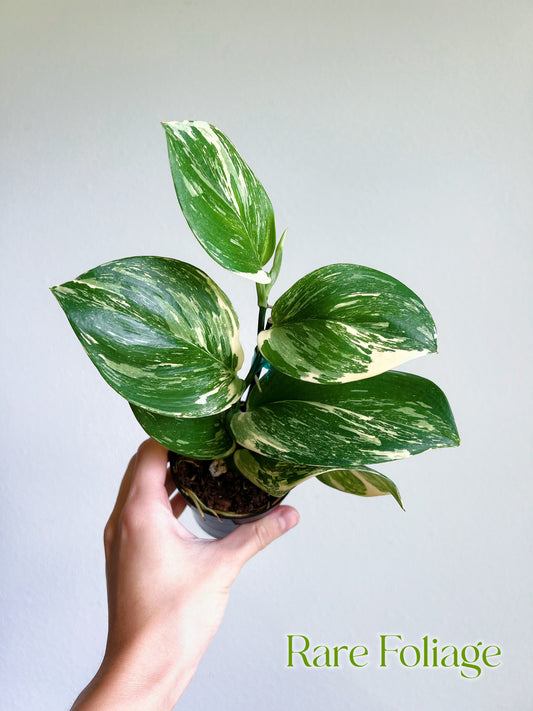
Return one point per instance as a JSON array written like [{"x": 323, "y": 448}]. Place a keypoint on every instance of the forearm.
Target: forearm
[{"x": 134, "y": 681}]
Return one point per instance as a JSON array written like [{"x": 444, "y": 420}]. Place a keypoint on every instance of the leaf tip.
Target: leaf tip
[
  {"x": 168, "y": 128},
  {"x": 454, "y": 435},
  {"x": 396, "y": 496}
]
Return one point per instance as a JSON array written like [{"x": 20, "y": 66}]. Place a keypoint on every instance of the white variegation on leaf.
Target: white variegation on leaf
[
  {"x": 160, "y": 332},
  {"x": 390, "y": 416},
  {"x": 362, "y": 481},
  {"x": 277, "y": 478},
  {"x": 224, "y": 204},
  {"x": 345, "y": 322},
  {"x": 198, "y": 437},
  {"x": 273, "y": 476}
]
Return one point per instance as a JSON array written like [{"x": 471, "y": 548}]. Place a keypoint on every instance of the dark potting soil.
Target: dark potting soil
[{"x": 229, "y": 491}]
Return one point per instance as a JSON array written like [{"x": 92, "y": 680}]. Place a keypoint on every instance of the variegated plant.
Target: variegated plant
[{"x": 166, "y": 338}]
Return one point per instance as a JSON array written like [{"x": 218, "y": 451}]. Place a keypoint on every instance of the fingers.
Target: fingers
[
  {"x": 149, "y": 451},
  {"x": 250, "y": 538},
  {"x": 121, "y": 498},
  {"x": 150, "y": 472}
]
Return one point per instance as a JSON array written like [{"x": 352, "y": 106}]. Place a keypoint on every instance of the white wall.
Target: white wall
[{"x": 395, "y": 134}]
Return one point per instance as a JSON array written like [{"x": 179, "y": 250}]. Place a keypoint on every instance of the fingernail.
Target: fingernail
[{"x": 288, "y": 518}]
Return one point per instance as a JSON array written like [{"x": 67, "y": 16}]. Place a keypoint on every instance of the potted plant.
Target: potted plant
[{"x": 319, "y": 400}]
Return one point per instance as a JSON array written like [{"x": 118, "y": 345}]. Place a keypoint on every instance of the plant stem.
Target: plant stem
[
  {"x": 263, "y": 290},
  {"x": 257, "y": 360},
  {"x": 261, "y": 319},
  {"x": 254, "y": 368}
]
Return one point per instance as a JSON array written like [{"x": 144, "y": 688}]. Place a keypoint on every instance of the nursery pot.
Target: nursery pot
[{"x": 217, "y": 523}]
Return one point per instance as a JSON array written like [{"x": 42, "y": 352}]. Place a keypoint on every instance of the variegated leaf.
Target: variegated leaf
[
  {"x": 271, "y": 475},
  {"x": 390, "y": 416},
  {"x": 277, "y": 478},
  {"x": 344, "y": 322},
  {"x": 198, "y": 437},
  {"x": 225, "y": 205},
  {"x": 160, "y": 332},
  {"x": 362, "y": 482}
]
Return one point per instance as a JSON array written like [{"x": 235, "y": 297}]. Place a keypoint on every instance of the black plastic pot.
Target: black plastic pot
[{"x": 220, "y": 525}]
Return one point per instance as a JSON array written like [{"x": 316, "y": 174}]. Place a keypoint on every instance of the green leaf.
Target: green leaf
[
  {"x": 344, "y": 322},
  {"x": 362, "y": 482},
  {"x": 390, "y": 416},
  {"x": 160, "y": 332},
  {"x": 277, "y": 478},
  {"x": 225, "y": 205},
  {"x": 198, "y": 437},
  {"x": 271, "y": 475}
]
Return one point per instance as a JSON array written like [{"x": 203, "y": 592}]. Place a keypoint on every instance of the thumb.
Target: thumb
[{"x": 250, "y": 538}]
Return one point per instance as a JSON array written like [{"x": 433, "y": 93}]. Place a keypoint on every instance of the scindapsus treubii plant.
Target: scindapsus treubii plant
[{"x": 320, "y": 398}]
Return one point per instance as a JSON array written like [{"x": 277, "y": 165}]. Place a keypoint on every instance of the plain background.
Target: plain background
[{"x": 394, "y": 134}]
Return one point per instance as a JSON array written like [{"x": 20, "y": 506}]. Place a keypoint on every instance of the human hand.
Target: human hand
[{"x": 167, "y": 589}]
